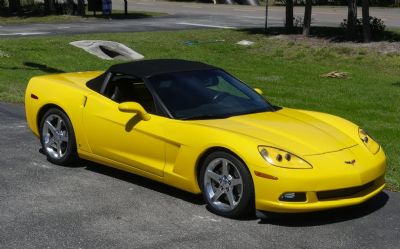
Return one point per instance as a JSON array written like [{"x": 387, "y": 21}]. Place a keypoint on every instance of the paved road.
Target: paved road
[
  {"x": 255, "y": 15},
  {"x": 91, "y": 206},
  {"x": 192, "y": 15}
]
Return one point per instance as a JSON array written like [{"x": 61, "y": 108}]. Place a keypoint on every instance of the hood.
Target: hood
[{"x": 288, "y": 129}]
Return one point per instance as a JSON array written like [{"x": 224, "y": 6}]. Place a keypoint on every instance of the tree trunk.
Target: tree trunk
[
  {"x": 266, "y": 17},
  {"x": 352, "y": 20},
  {"x": 126, "y": 7},
  {"x": 365, "y": 18},
  {"x": 307, "y": 18},
  {"x": 289, "y": 16},
  {"x": 81, "y": 8}
]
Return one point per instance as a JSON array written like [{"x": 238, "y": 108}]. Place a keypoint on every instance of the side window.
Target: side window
[
  {"x": 96, "y": 83},
  {"x": 144, "y": 97},
  {"x": 125, "y": 88}
]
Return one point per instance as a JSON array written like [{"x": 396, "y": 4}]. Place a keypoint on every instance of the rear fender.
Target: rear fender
[{"x": 42, "y": 93}]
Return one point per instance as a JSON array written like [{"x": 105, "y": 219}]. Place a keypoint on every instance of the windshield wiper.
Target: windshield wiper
[{"x": 205, "y": 116}]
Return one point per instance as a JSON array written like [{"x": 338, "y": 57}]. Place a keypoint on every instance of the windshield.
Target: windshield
[{"x": 206, "y": 94}]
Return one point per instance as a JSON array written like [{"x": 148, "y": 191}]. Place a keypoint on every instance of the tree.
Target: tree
[
  {"x": 2, "y": 5},
  {"x": 3, "y": 9},
  {"x": 50, "y": 7},
  {"x": 289, "y": 15},
  {"x": 365, "y": 19},
  {"x": 69, "y": 7},
  {"x": 15, "y": 6},
  {"x": 352, "y": 20},
  {"x": 307, "y": 18},
  {"x": 81, "y": 8}
]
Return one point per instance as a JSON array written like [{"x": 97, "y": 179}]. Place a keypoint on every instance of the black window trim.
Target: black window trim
[
  {"x": 157, "y": 98},
  {"x": 105, "y": 83}
]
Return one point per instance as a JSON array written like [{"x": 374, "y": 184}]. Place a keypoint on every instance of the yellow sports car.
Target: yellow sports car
[{"x": 197, "y": 128}]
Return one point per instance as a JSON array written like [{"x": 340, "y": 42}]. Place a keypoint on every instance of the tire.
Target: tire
[
  {"x": 58, "y": 138},
  {"x": 226, "y": 185}
]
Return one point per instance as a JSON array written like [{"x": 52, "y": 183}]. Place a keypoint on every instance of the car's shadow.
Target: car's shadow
[
  {"x": 289, "y": 220},
  {"x": 329, "y": 216},
  {"x": 143, "y": 182}
]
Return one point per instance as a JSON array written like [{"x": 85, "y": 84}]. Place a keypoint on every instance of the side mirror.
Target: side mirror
[
  {"x": 133, "y": 107},
  {"x": 258, "y": 90}
]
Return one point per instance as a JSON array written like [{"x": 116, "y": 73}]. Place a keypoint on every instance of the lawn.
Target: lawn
[{"x": 288, "y": 70}]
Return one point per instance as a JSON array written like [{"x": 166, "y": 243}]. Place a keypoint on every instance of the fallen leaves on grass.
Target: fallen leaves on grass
[
  {"x": 4, "y": 54},
  {"x": 245, "y": 43},
  {"x": 335, "y": 75}
]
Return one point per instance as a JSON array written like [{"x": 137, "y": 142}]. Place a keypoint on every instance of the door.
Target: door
[{"x": 123, "y": 137}]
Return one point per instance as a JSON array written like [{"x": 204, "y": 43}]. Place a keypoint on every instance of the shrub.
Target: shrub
[
  {"x": 298, "y": 22},
  {"x": 377, "y": 26}
]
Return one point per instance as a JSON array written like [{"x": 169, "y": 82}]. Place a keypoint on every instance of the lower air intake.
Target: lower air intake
[{"x": 344, "y": 192}]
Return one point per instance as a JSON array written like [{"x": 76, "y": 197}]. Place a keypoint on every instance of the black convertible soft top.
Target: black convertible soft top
[{"x": 146, "y": 68}]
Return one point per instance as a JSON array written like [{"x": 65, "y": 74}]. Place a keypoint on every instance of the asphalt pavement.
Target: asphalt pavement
[
  {"x": 183, "y": 15},
  {"x": 92, "y": 206}
]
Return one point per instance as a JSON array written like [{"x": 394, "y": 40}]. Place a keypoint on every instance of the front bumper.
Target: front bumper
[
  {"x": 314, "y": 204},
  {"x": 333, "y": 186}
]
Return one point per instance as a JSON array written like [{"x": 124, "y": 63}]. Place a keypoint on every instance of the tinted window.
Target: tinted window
[
  {"x": 206, "y": 94},
  {"x": 96, "y": 83}
]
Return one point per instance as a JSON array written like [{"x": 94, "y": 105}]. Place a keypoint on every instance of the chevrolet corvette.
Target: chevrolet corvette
[{"x": 198, "y": 128}]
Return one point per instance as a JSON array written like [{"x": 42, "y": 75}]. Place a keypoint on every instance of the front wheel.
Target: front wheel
[
  {"x": 57, "y": 137},
  {"x": 226, "y": 185}
]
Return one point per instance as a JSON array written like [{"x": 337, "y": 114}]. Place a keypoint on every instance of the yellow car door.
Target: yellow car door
[{"x": 124, "y": 137}]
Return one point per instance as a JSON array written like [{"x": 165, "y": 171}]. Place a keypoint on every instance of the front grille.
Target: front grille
[{"x": 344, "y": 192}]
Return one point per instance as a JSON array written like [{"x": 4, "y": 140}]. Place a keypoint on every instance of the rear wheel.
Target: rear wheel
[
  {"x": 57, "y": 137},
  {"x": 226, "y": 185}
]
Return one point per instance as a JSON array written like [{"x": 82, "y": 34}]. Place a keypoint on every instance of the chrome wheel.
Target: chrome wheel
[
  {"x": 223, "y": 184},
  {"x": 55, "y": 136}
]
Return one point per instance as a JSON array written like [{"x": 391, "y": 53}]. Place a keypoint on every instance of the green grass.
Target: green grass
[
  {"x": 38, "y": 19},
  {"x": 117, "y": 14},
  {"x": 287, "y": 71}
]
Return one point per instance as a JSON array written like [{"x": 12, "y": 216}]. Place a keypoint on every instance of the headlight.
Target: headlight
[
  {"x": 281, "y": 158},
  {"x": 368, "y": 141}
]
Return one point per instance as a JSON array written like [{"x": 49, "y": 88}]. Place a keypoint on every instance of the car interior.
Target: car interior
[
  {"x": 123, "y": 88},
  {"x": 186, "y": 93}
]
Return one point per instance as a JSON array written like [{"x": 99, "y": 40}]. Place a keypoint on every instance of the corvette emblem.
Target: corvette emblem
[{"x": 352, "y": 162}]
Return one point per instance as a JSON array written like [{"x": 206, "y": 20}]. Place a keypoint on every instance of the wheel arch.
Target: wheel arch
[
  {"x": 43, "y": 111},
  {"x": 210, "y": 150},
  {"x": 71, "y": 153}
]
